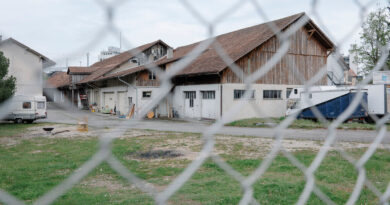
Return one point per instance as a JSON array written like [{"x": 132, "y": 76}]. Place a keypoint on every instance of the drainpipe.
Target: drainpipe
[{"x": 136, "y": 94}]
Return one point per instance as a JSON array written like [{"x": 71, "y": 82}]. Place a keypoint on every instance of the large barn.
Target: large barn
[{"x": 208, "y": 87}]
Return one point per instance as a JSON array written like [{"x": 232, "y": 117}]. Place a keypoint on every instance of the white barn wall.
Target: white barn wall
[
  {"x": 268, "y": 107},
  {"x": 162, "y": 109},
  {"x": 107, "y": 91},
  {"x": 178, "y": 102}
]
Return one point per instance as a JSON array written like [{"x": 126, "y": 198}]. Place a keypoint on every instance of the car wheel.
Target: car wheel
[{"x": 18, "y": 121}]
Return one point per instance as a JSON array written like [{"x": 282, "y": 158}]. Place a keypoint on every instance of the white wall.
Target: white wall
[
  {"x": 336, "y": 69},
  {"x": 178, "y": 102},
  {"x": 143, "y": 102},
  {"x": 26, "y": 67},
  {"x": 268, "y": 107},
  {"x": 114, "y": 90}
]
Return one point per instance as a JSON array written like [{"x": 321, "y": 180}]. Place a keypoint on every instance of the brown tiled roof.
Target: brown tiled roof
[
  {"x": 81, "y": 70},
  {"x": 109, "y": 64},
  {"x": 58, "y": 79},
  {"x": 236, "y": 44},
  {"x": 122, "y": 73}
]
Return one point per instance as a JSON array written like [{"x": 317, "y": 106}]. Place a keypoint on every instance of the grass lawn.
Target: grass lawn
[
  {"x": 31, "y": 167},
  {"x": 300, "y": 124}
]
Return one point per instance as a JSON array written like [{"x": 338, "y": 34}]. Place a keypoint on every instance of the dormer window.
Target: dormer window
[{"x": 152, "y": 76}]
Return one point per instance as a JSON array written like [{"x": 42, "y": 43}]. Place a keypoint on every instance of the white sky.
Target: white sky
[{"x": 61, "y": 29}]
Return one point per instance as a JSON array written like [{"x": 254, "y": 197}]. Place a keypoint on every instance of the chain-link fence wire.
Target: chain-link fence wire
[{"x": 104, "y": 153}]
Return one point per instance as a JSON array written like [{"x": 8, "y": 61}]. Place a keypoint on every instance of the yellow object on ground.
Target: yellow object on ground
[
  {"x": 150, "y": 114},
  {"x": 82, "y": 126}
]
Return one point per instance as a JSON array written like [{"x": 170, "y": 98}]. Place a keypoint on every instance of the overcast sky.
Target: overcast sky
[{"x": 61, "y": 29}]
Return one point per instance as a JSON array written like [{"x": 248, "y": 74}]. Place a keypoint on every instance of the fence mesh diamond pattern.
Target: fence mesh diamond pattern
[{"x": 104, "y": 153}]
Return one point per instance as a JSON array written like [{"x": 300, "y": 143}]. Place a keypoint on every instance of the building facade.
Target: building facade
[
  {"x": 26, "y": 65},
  {"x": 208, "y": 87}
]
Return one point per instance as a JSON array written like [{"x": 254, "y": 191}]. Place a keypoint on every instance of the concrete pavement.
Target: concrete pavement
[{"x": 102, "y": 121}]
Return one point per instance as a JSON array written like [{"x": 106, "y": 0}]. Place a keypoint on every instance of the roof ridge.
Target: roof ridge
[{"x": 299, "y": 15}]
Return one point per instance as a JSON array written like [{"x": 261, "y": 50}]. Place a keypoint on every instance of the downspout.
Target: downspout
[{"x": 136, "y": 94}]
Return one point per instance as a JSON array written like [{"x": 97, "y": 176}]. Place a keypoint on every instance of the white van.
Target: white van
[{"x": 27, "y": 109}]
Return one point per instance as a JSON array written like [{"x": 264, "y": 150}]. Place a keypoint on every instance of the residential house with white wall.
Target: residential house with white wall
[{"x": 26, "y": 65}]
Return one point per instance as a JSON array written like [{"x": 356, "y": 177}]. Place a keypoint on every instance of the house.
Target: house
[
  {"x": 339, "y": 71},
  {"x": 207, "y": 87},
  {"x": 26, "y": 65},
  {"x": 57, "y": 87},
  {"x": 101, "y": 85}
]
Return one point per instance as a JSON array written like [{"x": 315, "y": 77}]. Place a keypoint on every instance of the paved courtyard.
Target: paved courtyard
[{"x": 99, "y": 120}]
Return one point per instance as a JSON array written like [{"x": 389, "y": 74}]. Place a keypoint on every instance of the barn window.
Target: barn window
[
  {"x": 272, "y": 94},
  {"x": 238, "y": 94},
  {"x": 152, "y": 76},
  {"x": 147, "y": 94},
  {"x": 26, "y": 105},
  {"x": 191, "y": 95},
  {"x": 208, "y": 94},
  {"x": 288, "y": 92}
]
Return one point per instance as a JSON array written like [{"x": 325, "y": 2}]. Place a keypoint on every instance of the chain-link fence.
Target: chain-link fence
[{"x": 104, "y": 154}]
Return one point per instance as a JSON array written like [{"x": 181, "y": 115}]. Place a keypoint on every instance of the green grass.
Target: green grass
[
  {"x": 34, "y": 166},
  {"x": 299, "y": 124}
]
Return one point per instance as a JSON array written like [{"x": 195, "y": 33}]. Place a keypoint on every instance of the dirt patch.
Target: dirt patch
[
  {"x": 156, "y": 154},
  {"x": 107, "y": 182},
  {"x": 36, "y": 152},
  {"x": 189, "y": 145},
  {"x": 59, "y": 131}
]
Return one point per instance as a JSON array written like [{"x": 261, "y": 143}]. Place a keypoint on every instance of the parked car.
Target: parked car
[{"x": 27, "y": 109}]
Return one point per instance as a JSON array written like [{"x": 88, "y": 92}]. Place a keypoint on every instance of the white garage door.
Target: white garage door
[
  {"x": 209, "y": 105},
  {"x": 189, "y": 104},
  {"x": 109, "y": 100},
  {"x": 123, "y": 103}
]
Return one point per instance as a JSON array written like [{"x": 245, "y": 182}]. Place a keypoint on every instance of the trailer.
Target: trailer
[
  {"x": 330, "y": 101},
  {"x": 378, "y": 99},
  {"x": 27, "y": 109}
]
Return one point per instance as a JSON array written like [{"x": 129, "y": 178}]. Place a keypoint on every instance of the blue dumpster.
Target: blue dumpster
[{"x": 333, "y": 108}]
